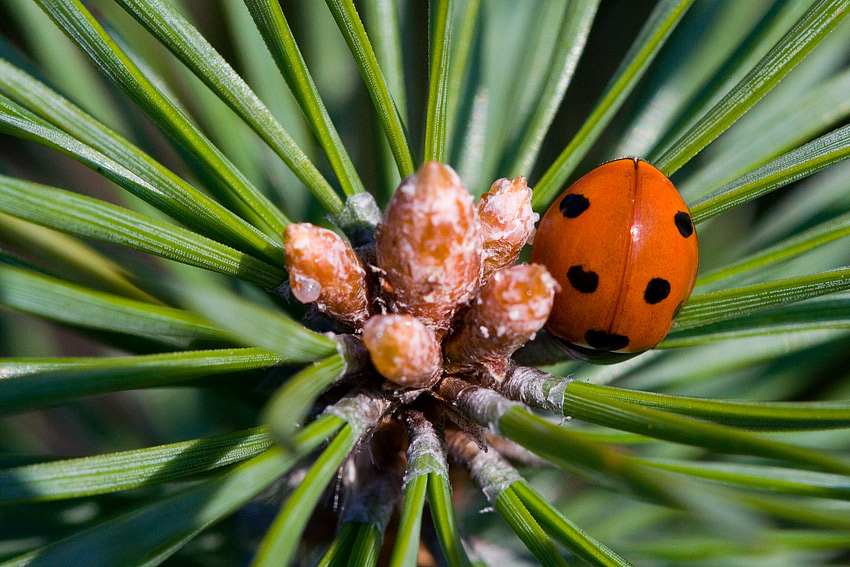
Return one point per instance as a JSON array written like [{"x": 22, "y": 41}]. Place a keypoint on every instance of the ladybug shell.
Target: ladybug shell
[{"x": 621, "y": 244}]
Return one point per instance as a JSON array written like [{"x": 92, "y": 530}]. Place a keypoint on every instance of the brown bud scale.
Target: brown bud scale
[
  {"x": 503, "y": 315},
  {"x": 403, "y": 350},
  {"x": 507, "y": 222},
  {"x": 429, "y": 246},
  {"x": 324, "y": 269}
]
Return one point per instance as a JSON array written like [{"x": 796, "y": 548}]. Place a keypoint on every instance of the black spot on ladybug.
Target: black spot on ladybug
[
  {"x": 605, "y": 341},
  {"x": 684, "y": 224},
  {"x": 678, "y": 310},
  {"x": 573, "y": 205},
  {"x": 585, "y": 282},
  {"x": 656, "y": 290}
]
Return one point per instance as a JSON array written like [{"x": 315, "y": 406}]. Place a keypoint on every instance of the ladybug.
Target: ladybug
[{"x": 621, "y": 243}]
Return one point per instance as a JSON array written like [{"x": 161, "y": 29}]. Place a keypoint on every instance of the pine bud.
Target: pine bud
[
  {"x": 505, "y": 313},
  {"x": 429, "y": 246},
  {"x": 323, "y": 269},
  {"x": 403, "y": 350},
  {"x": 507, "y": 222}
]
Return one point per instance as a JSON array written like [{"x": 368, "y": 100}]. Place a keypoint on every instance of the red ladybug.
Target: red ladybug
[{"x": 621, "y": 244}]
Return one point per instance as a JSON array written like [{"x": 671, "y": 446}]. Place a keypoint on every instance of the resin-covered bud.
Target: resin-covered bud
[
  {"x": 504, "y": 314},
  {"x": 507, "y": 222},
  {"x": 403, "y": 350},
  {"x": 429, "y": 246},
  {"x": 324, "y": 269}
]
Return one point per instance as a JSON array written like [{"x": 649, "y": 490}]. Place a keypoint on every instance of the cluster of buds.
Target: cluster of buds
[{"x": 439, "y": 292}]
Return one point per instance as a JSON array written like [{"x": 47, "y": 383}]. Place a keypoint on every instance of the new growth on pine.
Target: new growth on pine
[
  {"x": 451, "y": 299},
  {"x": 440, "y": 306}
]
